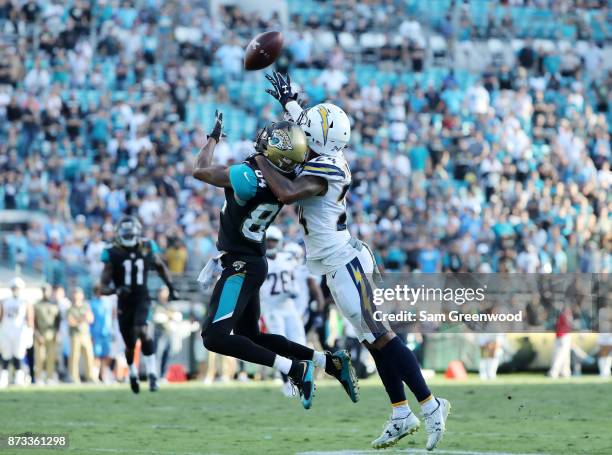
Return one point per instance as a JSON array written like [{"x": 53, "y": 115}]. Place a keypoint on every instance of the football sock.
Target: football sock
[
  {"x": 133, "y": 371},
  {"x": 401, "y": 410},
  {"x": 604, "y": 364},
  {"x": 406, "y": 364},
  {"x": 492, "y": 367},
  {"x": 240, "y": 347},
  {"x": 389, "y": 377},
  {"x": 284, "y": 377},
  {"x": 482, "y": 369},
  {"x": 320, "y": 359},
  {"x": 282, "y": 346},
  {"x": 429, "y": 405},
  {"x": 150, "y": 364},
  {"x": 282, "y": 364}
]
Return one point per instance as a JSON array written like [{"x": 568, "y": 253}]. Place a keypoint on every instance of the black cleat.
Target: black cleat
[
  {"x": 135, "y": 384},
  {"x": 153, "y": 385},
  {"x": 339, "y": 366}
]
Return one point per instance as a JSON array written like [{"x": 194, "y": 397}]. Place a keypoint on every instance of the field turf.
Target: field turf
[{"x": 519, "y": 414}]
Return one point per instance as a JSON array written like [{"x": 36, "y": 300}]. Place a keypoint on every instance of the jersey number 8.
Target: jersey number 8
[{"x": 255, "y": 224}]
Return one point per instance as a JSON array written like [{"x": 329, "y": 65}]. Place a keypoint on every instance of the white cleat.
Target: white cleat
[
  {"x": 435, "y": 423},
  {"x": 288, "y": 390},
  {"x": 20, "y": 378},
  {"x": 396, "y": 429}
]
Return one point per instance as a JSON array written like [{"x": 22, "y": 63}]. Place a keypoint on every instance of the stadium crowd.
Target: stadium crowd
[{"x": 103, "y": 107}]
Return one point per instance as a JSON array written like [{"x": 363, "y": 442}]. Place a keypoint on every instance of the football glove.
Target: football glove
[
  {"x": 216, "y": 131},
  {"x": 281, "y": 88},
  {"x": 123, "y": 292}
]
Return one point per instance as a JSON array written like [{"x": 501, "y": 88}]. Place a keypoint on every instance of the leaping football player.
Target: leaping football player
[
  {"x": 126, "y": 266},
  {"x": 277, "y": 296},
  {"x": 320, "y": 193},
  {"x": 232, "y": 327}
]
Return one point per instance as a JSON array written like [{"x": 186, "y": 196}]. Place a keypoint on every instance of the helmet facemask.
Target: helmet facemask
[{"x": 129, "y": 231}]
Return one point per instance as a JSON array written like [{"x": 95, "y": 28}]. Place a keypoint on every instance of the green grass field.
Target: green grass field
[{"x": 519, "y": 414}]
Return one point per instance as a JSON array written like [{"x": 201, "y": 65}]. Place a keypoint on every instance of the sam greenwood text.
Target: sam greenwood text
[{"x": 451, "y": 316}]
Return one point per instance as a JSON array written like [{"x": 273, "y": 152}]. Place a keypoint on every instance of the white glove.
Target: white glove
[{"x": 210, "y": 273}]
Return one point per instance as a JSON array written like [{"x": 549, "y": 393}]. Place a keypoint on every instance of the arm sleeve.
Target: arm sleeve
[
  {"x": 244, "y": 182},
  {"x": 294, "y": 110},
  {"x": 105, "y": 257}
]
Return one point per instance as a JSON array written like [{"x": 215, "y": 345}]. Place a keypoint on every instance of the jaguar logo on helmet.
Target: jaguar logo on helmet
[
  {"x": 280, "y": 139},
  {"x": 285, "y": 145}
]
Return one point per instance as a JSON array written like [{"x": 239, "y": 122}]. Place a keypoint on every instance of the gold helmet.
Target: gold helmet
[{"x": 283, "y": 144}]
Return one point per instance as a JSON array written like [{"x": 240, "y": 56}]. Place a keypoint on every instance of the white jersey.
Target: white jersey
[
  {"x": 302, "y": 291},
  {"x": 324, "y": 217},
  {"x": 277, "y": 291},
  {"x": 14, "y": 314}
]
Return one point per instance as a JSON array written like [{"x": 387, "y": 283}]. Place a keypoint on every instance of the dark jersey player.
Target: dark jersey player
[
  {"x": 126, "y": 266},
  {"x": 232, "y": 326}
]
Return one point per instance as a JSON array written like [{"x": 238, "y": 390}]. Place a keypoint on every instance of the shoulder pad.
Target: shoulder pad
[{"x": 329, "y": 167}]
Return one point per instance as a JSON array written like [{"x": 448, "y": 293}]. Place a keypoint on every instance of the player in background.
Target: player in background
[
  {"x": 126, "y": 265},
  {"x": 320, "y": 192},
  {"x": 16, "y": 333},
  {"x": 309, "y": 300},
  {"x": 277, "y": 295},
  {"x": 102, "y": 307},
  {"x": 232, "y": 327}
]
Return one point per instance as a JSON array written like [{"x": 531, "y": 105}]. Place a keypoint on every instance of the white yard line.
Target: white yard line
[{"x": 414, "y": 451}]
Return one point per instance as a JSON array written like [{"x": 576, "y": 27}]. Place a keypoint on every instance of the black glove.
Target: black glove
[
  {"x": 281, "y": 88},
  {"x": 123, "y": 292},
  {"x": 173, "y": 295},
  {"x": 216, "y": 131}
]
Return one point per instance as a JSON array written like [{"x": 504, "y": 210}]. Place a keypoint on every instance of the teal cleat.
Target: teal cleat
[
  {"x": 303, "y": 379},
  {"x": 342, "y": 369}
]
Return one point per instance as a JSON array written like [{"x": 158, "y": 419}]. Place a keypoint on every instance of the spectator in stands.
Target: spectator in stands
[{"x": 176, "y": 256}]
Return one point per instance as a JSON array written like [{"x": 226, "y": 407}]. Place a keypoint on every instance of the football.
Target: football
[{"x": 263, "y": 50}]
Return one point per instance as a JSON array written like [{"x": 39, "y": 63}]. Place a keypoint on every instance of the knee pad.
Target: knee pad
[
  {"x": 146, "y": 341},
  {"x": 147, "y": 345}
]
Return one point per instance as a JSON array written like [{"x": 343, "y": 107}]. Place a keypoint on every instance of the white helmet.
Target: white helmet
[
  {"x": 327, "y": 128},
  {"x": 296, "y": 251},
  {"x": 17, "y": 283},
  {"x": 274, "y": 233}
]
